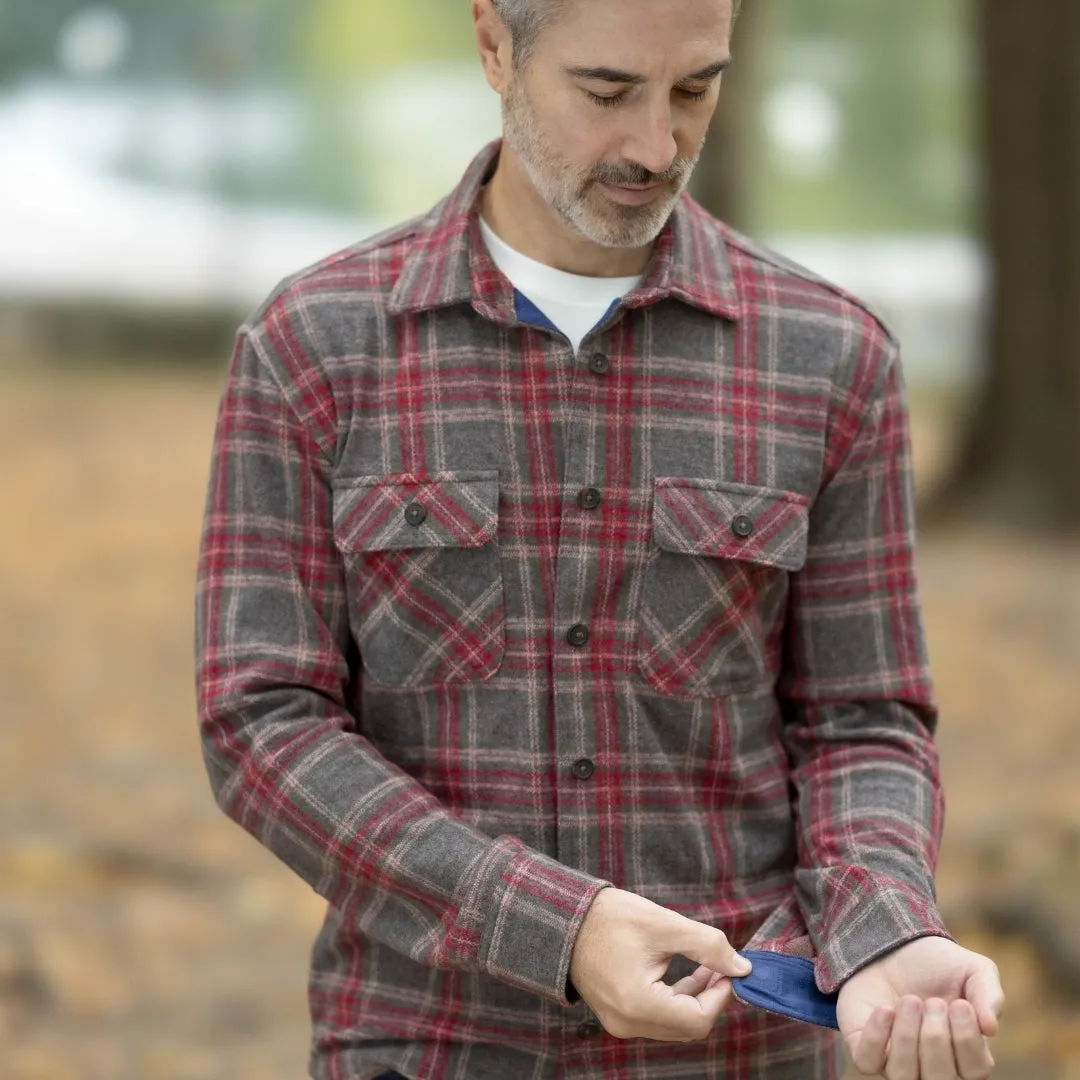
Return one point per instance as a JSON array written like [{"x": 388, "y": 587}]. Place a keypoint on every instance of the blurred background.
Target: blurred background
[{"x": 163, "y": 164}]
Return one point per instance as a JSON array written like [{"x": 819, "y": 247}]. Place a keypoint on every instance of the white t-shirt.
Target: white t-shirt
[{"x": 573, "y": 303}]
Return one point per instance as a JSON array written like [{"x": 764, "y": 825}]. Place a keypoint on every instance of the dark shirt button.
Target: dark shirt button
[
  {"x": 742, "y": 526},
  {"x": 415, "y": 514},
  {"x": 583, "y": 769},
  {"x": 578, "y": 636},
  {"x": 599, "y": 364},
  {"x": 588, "y": 1030},
  {"x": 589, "y": 499}
]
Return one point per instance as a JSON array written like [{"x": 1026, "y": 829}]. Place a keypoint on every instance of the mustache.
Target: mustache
[{"x": 639, "y": 175}]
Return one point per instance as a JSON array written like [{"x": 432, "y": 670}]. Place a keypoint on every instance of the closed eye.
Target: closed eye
[{"x": 608, "y": 101}]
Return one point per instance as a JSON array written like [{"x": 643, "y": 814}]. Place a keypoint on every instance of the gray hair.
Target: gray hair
[{"x": 528, "y": 19}]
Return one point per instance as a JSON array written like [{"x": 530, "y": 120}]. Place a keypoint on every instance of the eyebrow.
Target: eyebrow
[{"x": 614, "y": 75}]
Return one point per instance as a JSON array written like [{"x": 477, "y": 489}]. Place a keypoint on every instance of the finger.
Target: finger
[
  {"x": 671, "y": 1017},
  {"x": 936, "y": 1059},
  {"x": 714, "y": 976},
  {"x": 983, "y": 990},
  {"x": 714, "y": 1000},
  {"x": 973, "y": 1058},
  {"x": 903, "y": 1061},
  {"x": 695, "y": 982},
  {"x": 705, "y": 944},
  {"x": 868, "y": 1047}
]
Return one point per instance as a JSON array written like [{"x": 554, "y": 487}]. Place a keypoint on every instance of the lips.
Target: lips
[{"x": 633, "y": 194}]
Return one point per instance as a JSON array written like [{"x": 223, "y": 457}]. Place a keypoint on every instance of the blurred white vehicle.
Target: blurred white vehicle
[{"x": 75, "y": 229}]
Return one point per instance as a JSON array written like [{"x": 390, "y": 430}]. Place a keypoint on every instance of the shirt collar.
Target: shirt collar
[{"x": 448, "y": 262}]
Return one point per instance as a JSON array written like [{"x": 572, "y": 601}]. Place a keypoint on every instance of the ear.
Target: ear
[{"x": 494, "y": 44}]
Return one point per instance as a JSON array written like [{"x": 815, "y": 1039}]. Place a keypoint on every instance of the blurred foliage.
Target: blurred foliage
[
  {"x": 904, "y": 75},
  {"x": 340, "y": 42},
  {"x": 173, "y": 40}
]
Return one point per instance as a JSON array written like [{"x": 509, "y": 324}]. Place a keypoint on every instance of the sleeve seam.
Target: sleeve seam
[
  {"x": 325, "y": 457},
  {"x": 877, "y": 400}
]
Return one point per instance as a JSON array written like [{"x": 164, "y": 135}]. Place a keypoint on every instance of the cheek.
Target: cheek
[
  {"x": 582, "y": 140},
  {"x": 690, "y": 132}
]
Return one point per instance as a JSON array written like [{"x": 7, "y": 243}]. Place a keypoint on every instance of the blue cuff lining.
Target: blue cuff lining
[{"x": 785, "y": 985}]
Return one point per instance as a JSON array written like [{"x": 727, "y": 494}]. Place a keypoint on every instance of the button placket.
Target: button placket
[{"x": 583, "y": 480}]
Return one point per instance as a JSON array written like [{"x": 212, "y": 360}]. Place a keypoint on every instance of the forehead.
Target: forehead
[{"x": 652, "y": 35}]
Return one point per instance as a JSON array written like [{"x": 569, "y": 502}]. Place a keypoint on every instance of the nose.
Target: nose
[{"x": 652, "y": 143}]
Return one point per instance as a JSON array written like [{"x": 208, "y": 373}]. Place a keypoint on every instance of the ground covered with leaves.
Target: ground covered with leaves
[{"x": 142, "y": 935}]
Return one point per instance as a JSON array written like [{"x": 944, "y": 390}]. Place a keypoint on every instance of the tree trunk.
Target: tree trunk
[
  {"x": 1020, "y": 464},
  {"x": 722, "y": 181}
]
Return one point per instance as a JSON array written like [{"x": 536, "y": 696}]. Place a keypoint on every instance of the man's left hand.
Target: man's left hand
[{"x": 923, "y": 1012}]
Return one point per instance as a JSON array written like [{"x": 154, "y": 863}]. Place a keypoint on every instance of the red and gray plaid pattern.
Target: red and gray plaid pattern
[{"x": 458, "y": 694}]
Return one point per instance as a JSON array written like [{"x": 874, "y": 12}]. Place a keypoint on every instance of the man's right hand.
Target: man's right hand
[{"x": 622, "y": 952}]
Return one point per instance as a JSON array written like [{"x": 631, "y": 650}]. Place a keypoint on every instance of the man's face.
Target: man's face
[{"x": 610, "y": 116}]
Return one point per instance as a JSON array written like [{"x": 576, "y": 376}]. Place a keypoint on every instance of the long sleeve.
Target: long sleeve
[
  {"x": 859, "y": 714},
  {"x": 282, "y": 749}
]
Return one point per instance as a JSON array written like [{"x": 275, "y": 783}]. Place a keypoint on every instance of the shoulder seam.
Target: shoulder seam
[
  {"x": 775, "y": 259},
  {"x": 258, "y": 346}
]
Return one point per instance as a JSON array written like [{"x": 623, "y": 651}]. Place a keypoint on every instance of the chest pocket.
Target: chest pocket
[
  {"x": 424, "y": 576},
  {"x": 716, "y": 584}
]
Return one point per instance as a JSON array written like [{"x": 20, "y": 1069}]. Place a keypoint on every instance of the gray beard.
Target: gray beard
[{"x": 622, "y": 226}]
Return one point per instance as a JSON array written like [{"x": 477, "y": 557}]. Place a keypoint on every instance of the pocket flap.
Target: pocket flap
[
  {"x": 730, "y": 521},
  {"x": 388, "y": 513}
]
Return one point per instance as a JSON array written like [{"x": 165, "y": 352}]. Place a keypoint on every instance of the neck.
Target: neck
[{"x": 513, "y": 208}]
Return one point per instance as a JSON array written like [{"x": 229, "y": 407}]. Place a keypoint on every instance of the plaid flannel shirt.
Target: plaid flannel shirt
[{"x": 484, "y": 625}]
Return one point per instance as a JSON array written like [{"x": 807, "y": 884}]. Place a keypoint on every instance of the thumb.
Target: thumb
[
  {"x": 703, "y": 944},
  {"x": 983, "y": 990}
]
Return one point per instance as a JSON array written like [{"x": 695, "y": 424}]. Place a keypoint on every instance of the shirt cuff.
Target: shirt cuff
[
  {"x": 532, "y": 909},
  {"x": 866, "y": 928}
]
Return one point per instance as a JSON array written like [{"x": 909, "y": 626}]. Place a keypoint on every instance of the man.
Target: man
[{"x": 557, "y": 620}]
